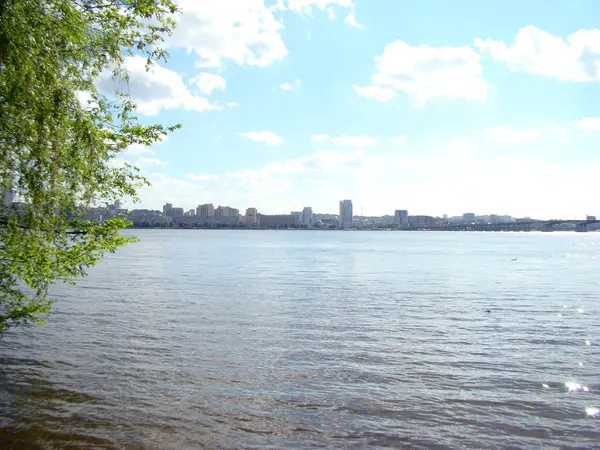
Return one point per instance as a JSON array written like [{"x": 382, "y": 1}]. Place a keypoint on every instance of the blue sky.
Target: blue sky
[{"x": 432, "y": 106}]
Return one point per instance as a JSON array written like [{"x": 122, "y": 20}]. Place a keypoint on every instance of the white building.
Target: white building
[
  {"x": 251, "y": 217},
  {"x": 307, "y": 216}
]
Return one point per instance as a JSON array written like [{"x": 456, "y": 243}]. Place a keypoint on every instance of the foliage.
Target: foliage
[{"x": 56, "y": 151}]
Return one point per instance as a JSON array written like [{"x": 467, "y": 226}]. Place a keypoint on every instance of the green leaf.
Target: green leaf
[{"x": 56, "y": 152}]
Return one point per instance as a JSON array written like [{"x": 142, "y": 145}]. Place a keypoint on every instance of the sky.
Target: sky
[{"x": 432, "y": 106}]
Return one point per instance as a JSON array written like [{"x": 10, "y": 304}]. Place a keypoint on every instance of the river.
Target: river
[{"x": 303, "y": 339}]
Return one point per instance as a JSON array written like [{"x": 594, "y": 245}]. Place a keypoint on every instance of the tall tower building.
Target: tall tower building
[
  {"x": 401, "y": 218},
  {"x": 168, "y": 210},
  {"x": 346, "y": 214},
  {"x": 307, "y": 216},
  {"x": 251, "y": 216}
]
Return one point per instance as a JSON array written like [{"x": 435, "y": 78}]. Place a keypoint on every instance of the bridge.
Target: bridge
[{"x": 543, "y": 225}]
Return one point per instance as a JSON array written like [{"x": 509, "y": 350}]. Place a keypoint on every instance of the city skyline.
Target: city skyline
[
  {"x": 393, "y": 104},
  {"x": 345, "y": 211}
]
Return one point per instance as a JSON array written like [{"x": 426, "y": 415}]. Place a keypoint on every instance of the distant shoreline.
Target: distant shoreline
[{"x": 349, "y": 229}]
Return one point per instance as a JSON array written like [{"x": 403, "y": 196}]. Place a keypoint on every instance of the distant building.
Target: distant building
[
  {"x": 421, "y": 221},
  {"x": 141, "y": 215},
  {"x": 590, "y": 218},
  {"x": 207, "y": 210},
  {"x": 209, "y": 222},
  {"x": 168, "y": 210},
  {"x": 177, "y": 212},
  {"x": 401, "y": 218},
  {"x": 191, "y": 213},
  {"x": 307, "y": 216},
  {"x": 469, "y": 217},
  {"x": 346, "y": 214},
  {"x": 494, "y": 218},
  {"x": 227, "y": 211},
  {"x": 298, "y": 215},
  {"x": 251, "y": 217},
  {"x": 277, "y": 221}
]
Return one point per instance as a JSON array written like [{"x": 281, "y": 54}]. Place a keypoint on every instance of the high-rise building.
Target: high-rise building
[
  {"x": 346, "y": 214},
  {"x": 401, "y": 218},
  {"x": 168, "y": 210},
  {"x": 207, "y": 210},
  {"x": 251, "y": 217},
  {"x": 191, "y": 212},
  {"x": 226, "y": 211},
  {"x": 177, "y": 212},
  {"x": 307, "y": 216},
  {"x": 421, "y": 221}
]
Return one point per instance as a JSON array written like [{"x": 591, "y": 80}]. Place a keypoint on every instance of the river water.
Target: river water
[{"x": 304, "y": 339}]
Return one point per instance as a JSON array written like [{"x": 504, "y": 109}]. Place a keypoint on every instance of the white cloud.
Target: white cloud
[
  {"x": 117, "y": 163},
  {"x": 460, "y": 147},
  {"x": 85, "y": 100},
  {"x": 154, "y": 90},
  {"x": 231, "y": 104},
  {"x": 376, "y": 92},
  {"x": 507, "y": 134},
  {"x": 208, "y": 82},
  {"x": 138, "y": 149},
  {"x": 351, "y": 20},
  {"x": 306, "y": 6},
  {"x": 165, "y": 189},
  {"x": 203, "y": 176},
  {"x": 243, "y": 31},
  {"x": 587, "y": 123},
  {"x": 266, "y": 137},
  {"x": 398, "y": 140},
  {"x": 323, "y": 161},
  {"x": 271, "y": 186},
  {"x": 576, "y": 58},
  {"x": 147, "y": 162},
  {"x": 426, "y": 73},
  {"x": 345, "y": 141},
  {"x": 319, "y": 137},
  {"x": 330, "y": 6},
  {"x": 354, "y": 141},
  {"x": 441, "y": 179},
  {"x": 287, "y": 86}
]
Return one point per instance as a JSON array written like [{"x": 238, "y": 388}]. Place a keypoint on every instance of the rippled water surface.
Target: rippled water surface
[{"x": 237, "y": 339}]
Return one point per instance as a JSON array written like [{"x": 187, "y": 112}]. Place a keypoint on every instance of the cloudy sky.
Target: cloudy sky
[{"x": 433, "y": 106}]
